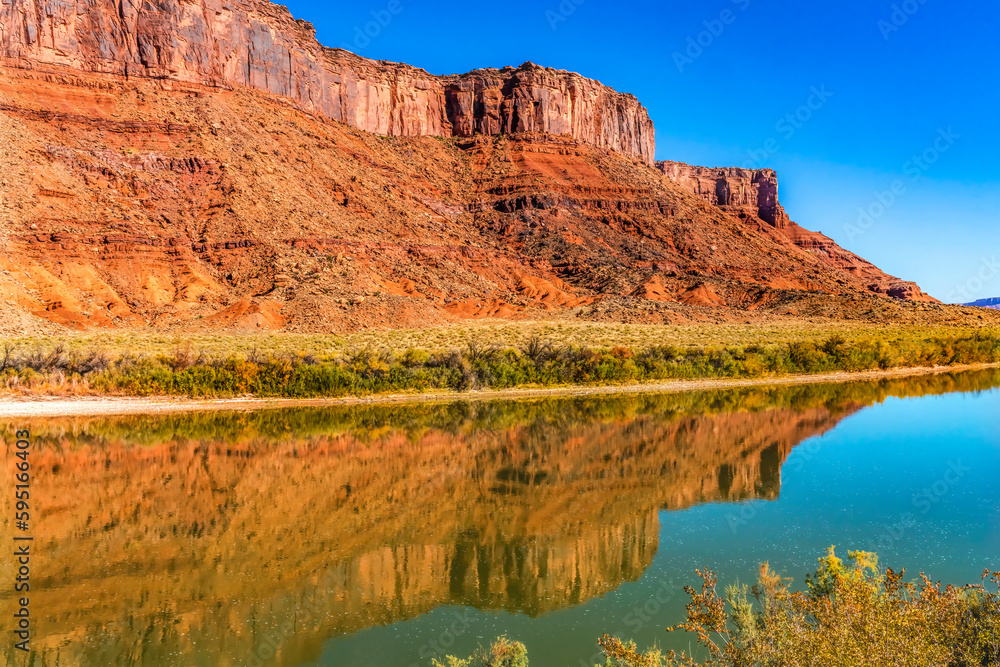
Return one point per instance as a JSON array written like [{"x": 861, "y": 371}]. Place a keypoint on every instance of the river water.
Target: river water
[{"x": 373, "y": 536}]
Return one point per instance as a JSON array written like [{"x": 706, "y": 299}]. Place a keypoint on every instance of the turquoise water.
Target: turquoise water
[
  {"x": 917, "y": 480},
  {"x": 385, "y": 536}
]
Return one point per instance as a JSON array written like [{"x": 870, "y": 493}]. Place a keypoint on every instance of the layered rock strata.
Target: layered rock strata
[
  {"x": 259, "y": 45},
  {"x": 129, "y": 204},
  {"x": 173, "y": 166}
]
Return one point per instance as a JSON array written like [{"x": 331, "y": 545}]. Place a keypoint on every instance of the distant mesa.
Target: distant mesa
[
  {"x": 752, "y": 196},
  {"x": 986, "y": 303}
]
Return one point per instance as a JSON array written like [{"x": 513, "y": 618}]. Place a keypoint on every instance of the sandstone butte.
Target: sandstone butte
[{"x": 210, "y": 165}]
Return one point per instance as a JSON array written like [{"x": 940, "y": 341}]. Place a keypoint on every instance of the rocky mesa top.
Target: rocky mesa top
[{"x": 258, "y": 44}]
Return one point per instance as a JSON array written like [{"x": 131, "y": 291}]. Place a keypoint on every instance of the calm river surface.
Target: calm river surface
[{"x": 383, "y": 536}]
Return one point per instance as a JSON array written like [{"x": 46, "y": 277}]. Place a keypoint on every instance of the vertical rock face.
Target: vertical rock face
[
  {"x": 986, "y": 303},
  {"x": 539, "y": 99},
  {"x": 259, "y": 45},
  {"x": 753, "y": 194},
  {"x": 742, "y": 190}
]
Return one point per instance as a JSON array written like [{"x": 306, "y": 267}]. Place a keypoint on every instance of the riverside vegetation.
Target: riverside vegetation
[
  {"x": 850, "y": 614},
  {"x": 534, "y": 363},
  {"x": 369, "y": 421}
]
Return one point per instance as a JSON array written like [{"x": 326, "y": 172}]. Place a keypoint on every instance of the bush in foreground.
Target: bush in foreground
[{"x": 851, "y": 614}]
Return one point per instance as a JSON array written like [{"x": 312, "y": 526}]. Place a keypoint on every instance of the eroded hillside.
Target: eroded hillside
[{"x": 133, "y": 203}]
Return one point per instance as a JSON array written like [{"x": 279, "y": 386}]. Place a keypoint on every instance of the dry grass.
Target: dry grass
[{"x": 503, "y": 334}]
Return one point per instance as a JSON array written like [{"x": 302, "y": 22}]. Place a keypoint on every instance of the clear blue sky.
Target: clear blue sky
[{"x": 899, "y": 73}]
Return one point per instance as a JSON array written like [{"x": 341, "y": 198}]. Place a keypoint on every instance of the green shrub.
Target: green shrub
[
  {"x": 502, "y": 653},
  {"x": 850, "y": 614}
]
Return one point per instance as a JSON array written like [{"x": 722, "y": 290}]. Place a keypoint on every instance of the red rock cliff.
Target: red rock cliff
[
  {"x": 259, "y": 45},
  {"x": 753, "y": 191},
  {"x": 752, "y": 194}
]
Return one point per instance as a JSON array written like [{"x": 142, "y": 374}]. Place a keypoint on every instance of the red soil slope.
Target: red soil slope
[{"x": 167, "y": 189}]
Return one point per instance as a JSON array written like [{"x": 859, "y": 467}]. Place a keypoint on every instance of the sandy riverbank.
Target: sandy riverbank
[{"x": 58, "y": 406}]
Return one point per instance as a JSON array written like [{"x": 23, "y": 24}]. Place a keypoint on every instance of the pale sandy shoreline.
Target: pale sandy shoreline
[{"x": 48, "y": 406}]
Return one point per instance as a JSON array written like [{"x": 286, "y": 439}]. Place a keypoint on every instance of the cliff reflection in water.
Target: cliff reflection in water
[{"x": 203, "y": 539}]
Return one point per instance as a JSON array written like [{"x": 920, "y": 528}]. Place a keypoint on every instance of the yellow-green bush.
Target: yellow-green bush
[
  {"x": 851, "y": 614},
  {"x": 502, "y": 653}
]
